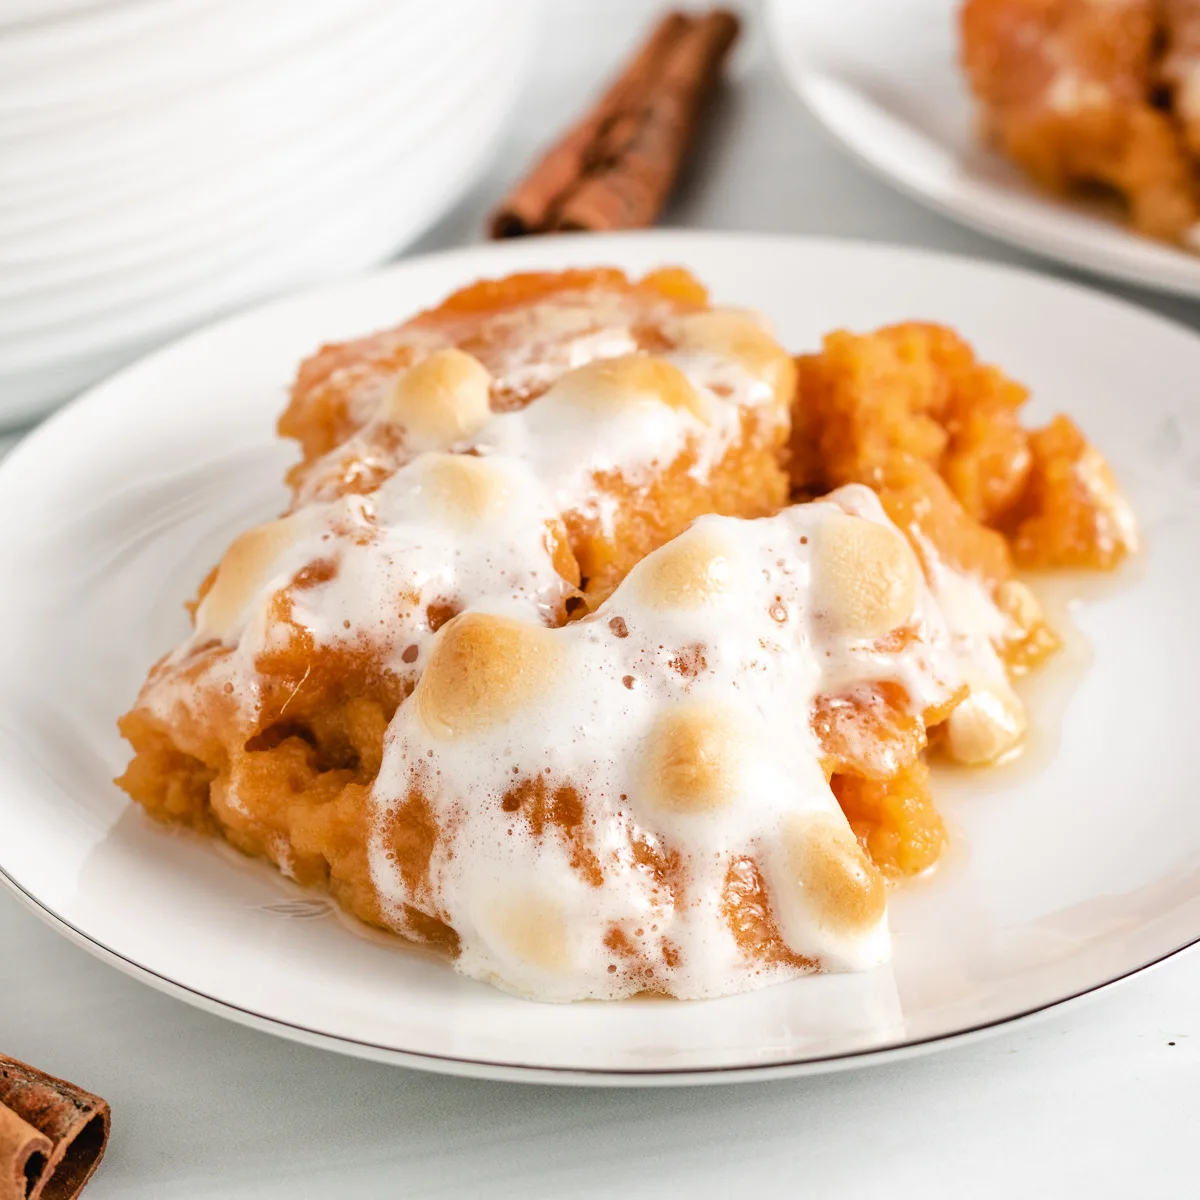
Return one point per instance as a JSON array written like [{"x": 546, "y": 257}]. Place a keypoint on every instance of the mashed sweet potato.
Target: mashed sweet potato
[{"x": 908, "y": 410}]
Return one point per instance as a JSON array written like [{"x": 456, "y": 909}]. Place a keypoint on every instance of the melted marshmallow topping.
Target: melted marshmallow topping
[
  {"x": 623, "y": 415},
  {"x": 524, "y": 348},
  {"x": 636, "y": 800},
  {"x": 443, "y": 533},
  {"x": 440, "y": 503},
  {"x": 990, "y": 722}
]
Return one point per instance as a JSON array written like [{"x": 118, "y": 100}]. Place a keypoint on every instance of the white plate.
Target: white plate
[
  {"x": 884, "y": 81},
  {"x": 1061, "y": 879}
]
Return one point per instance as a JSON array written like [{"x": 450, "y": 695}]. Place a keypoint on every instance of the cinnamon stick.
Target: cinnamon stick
[
  {"x": 615, "y": 168},
  {"x": 71, "y": 1127},
  {"x": 23, "y": 1155}
]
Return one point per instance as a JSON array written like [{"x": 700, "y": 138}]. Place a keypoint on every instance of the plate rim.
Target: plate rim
[
  {"x": 1010, "y": 231},
  {"x": 478, "y": 1068},
  {"x": 482, "y": 255},
  {"x": 1033, "y": 274}
]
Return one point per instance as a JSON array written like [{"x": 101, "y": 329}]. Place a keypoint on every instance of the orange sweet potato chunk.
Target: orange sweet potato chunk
[
  {"x": 894, "y": 819},
  {"x": 911, "y": 411},
  {"x": 1071, "y": 514}
]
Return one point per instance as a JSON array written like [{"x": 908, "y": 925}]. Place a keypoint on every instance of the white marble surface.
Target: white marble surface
[{"x": 1102, "y": 1099}]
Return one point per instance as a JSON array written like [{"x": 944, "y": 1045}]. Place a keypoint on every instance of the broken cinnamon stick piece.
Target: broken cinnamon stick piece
[
  {"x": 23, "y": 1154},
  {"x": 72, "y": 1123},
  {"x": 615, "y": 168}
]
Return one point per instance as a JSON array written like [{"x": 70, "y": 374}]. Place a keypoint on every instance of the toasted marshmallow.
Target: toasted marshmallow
[
  {"x": 469, "y": 489},
  {"x": 987, "y": 725},
  {"x": 839, "y": 885},
  {"x": 248, "y": 566},
  {"x": 532, "y": 928},
  {"x": 441, "y": 400},
  {"x": 694, "y": 759},
  {"x": 864, "y": 577},
  {"x": 739, "y": 333},
  {"x": 629, "y": 381},
  {"x": 482, "y": 670},
  {"x": 691, "y": 571}
]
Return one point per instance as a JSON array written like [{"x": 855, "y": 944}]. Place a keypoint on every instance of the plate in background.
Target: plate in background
[
  {"x": 1060, "y": 880},
  {"x": 884, "y": 81}
]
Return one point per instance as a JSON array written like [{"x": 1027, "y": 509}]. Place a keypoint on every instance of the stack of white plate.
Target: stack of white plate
[{"x": 162, "y": 161}]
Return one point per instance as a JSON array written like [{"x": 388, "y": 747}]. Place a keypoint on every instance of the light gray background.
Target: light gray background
[{"x": 1101, "y": 1100}]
